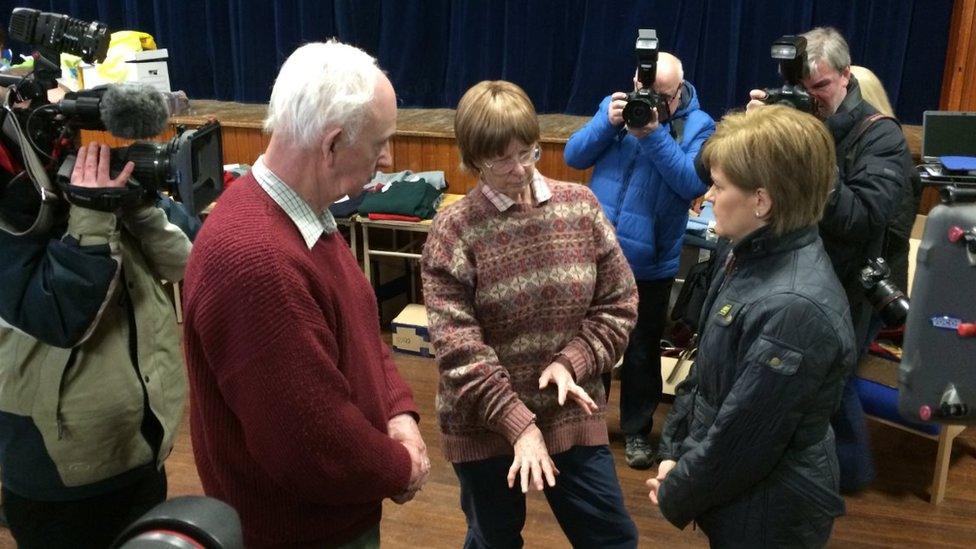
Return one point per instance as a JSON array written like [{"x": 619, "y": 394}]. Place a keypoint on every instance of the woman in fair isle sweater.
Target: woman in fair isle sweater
[{"x": 530, "y": 300}]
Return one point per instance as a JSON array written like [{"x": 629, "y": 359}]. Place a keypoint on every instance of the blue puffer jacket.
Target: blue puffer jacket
[{"x": 645, "y": 186}]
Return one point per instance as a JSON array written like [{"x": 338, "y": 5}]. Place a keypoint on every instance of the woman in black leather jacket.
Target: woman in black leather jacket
[{"x": 747, "y": 449}]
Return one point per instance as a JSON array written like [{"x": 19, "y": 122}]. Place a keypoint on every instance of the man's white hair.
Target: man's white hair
[
  {"x": 321, "y": 85},
  {"x": 828, "y": 45}
]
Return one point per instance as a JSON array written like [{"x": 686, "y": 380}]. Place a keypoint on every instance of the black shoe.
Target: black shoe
[{"x": 638, "y": 452}]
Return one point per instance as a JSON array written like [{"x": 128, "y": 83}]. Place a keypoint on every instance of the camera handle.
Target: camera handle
[
  {"x": 35, "y": 170},
  {"x": 101, "y": 199}
]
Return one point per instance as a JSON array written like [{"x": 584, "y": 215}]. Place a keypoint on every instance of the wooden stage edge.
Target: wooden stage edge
[{"x": 424, "y": 141}]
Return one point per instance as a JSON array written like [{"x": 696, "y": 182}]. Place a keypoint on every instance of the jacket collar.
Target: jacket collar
[
  {"x": 762, "y": 243},
  {"x": 848, "y": 113},
  {"x": 689, "y": 100}
]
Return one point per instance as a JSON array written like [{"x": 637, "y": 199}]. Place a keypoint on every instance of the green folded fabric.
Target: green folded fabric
[{"x": 416, "y": 198}]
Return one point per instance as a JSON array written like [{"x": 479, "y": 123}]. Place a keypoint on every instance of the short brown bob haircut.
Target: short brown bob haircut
[
  {"x": 787, "y": 152},
  {"x": 489, "y": 116}
]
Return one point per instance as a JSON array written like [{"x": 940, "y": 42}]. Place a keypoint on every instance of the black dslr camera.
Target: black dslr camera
[
  {"x": 641, "y": 104},
  {"x": 43, "y": 135},
  {"x": 882, "y": 293},
  {"x": 792, "y": 54}
]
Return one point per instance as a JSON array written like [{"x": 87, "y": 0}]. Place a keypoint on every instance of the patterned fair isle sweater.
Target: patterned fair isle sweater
[
  {"x": 507, "y": 293},
  {"x": 291, "y": 385}
]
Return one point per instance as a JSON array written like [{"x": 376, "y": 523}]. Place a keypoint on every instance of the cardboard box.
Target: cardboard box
[
  {"x": 410, "y": 331},
  {"x": 146, "y": 67}
]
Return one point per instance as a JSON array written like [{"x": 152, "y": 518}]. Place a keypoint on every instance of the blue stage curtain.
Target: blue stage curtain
[{"x": 567, "y": 54}]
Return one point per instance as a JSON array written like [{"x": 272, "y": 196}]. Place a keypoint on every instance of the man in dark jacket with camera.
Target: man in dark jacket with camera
[
  {"x": 91, "y": 374},
  {"x": 874, "y": 166}
]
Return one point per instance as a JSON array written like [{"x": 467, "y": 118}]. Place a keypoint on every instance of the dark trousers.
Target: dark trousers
[
  {"x": 586, "y": 500},
  {"x": 87, "y": 523},
  {"x": 640, "y": 374},
  {"x": 851, "y": 430}
]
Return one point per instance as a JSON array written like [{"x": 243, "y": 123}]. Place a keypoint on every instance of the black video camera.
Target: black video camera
[
  {"x": 643, "y": 103},
  {"x": 189, "y": 166},
  {"x": 791, "y": 51},
  {"x": 882, "y": 293}
]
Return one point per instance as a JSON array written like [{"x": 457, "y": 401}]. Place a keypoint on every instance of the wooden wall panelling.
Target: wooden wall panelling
[
  {"x": 434, "y": 155},
  {"x": 959, "y": 78},
  {"x": 240, "y": 145},
  {"x": 552, "y": 165},
  {"x": 422, "y": 153}
]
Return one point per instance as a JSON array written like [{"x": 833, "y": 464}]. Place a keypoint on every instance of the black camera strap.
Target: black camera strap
[
  {"x": 35, "y": 170},
  {"x": 854, "y": 140},
  {"x": 854, "y": 148}
]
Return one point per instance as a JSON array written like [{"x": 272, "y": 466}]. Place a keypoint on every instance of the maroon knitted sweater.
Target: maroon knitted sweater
[
  {"x": 291, "y": 385},
  {"x": 507, "y": 293}
]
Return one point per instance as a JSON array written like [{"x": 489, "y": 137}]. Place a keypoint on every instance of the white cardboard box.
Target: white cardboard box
[
  {"x": 410, "y": 331},
  {"x": 147, "y": 67}
]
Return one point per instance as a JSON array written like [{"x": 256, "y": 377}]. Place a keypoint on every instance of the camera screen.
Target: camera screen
[{"x": 947, "y": 133}]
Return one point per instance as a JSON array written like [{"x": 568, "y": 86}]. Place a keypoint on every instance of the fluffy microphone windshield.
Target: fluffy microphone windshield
[{"x": 134, "y": 111}]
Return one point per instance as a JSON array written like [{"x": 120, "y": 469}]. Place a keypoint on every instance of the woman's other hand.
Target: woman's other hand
[
  {"x": 532, "y": 461},
  {"x": 558, "y": 374}
]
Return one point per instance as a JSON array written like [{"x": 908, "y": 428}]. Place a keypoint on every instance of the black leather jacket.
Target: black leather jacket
[{"x": 750, "y": 427}]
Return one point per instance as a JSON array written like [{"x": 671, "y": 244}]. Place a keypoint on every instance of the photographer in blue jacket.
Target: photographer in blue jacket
[{"x": 645, "y": 180}]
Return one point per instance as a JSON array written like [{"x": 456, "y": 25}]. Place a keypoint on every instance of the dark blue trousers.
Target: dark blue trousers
[
  {"x": 640, "y": 373},
  {"x": 586, "y": 500},
  {"x": 853, "y": 443}
]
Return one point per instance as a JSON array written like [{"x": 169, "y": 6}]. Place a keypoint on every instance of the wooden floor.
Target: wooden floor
[{"x": 893, "y": 513}]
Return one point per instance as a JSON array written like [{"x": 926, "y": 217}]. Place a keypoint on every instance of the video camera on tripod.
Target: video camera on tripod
[{"x": 189, "y": 166}]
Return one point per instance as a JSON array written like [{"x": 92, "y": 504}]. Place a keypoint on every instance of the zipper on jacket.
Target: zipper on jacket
[
  {"x": 150, "y": 428},
  {"x": 57, "y": 411}
]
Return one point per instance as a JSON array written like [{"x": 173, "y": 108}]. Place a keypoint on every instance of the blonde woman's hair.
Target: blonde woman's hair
[
  {"x": 787, "y": 152},
  {"x": 871, "y": 90}
]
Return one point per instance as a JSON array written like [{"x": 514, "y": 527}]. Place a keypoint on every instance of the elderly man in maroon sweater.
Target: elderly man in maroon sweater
[{"x": 299, "y": 418}]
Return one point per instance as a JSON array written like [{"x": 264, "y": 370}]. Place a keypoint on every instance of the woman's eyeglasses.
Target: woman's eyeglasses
[{"x": 505, "y": 165}]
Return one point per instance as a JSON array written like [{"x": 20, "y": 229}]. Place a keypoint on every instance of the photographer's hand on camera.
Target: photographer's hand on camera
[
  {"x": 615, "y": 113},
  {"x": 91, "y": 168},
  {"x": 165, "y": 245},
  {"x": 756, "y": 98},
  {"x": 615, "y": 110}
]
